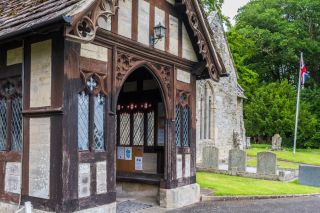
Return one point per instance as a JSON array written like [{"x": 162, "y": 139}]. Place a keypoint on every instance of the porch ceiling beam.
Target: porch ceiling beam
[{"x": 199, "y": 68}]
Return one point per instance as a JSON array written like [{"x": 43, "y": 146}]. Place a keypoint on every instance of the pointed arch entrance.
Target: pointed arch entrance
[{"x": 140, "y": 124}]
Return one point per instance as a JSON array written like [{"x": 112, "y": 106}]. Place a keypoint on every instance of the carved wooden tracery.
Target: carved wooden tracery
[
  {"x": 85, "y": 29},
  {"x": 183, "y": 98},
  {"x": 127, "y": 62},
  {"x": 124, "y": 63},
  {"x": 202, "y": 41},
  {"x": 94, "y": 83}
]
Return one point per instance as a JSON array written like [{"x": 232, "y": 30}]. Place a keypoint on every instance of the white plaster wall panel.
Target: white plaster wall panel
[
  {"x": 179, "y": 166},
  {"x": 160, "y": 17},
  {"x": 143, "y": 22},
  {"x": 84, "y": 180},
  {"x": 187, "y": 163},
  {"x": 187, "y": 48},
  {"x": 174, "y": 35},
  {"x": 172, "y": 2},
  {"x": 183, "y": 76},
  {"x": 14, "y": 56},
  {"x": 40, "y": 81},
  {"x": 125, "y": 18},
  {"x": 39, "y": 158},
  {"x": 13, "y": 177},
  {"x": 94, "y": 52},
  {"x": 150, "y": 163},
  {"x": 101, "y": 177}
]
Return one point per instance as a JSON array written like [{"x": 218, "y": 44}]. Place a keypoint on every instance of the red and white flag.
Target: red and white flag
[{"x": 303, "y": 71}]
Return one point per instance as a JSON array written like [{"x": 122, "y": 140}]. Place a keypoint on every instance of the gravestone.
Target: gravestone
[
  {"x": 210, "y": 157},
  {"x": 309, "y": 175},
  {"x": 266, "y": 163},
  {"x": 237, "y": 160},
  {"x": 276, "y": 142},
  {"x": 248, "y": 143}
]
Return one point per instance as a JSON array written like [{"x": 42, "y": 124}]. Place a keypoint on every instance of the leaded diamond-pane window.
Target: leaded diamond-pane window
[
  {"x": 185, "y": 123},
  {"x": 178, "y": 126},
  {"x": 150, "y": 134},
  {"x": 124, "y": 129},
  {"x": 83, "y": 121},
  {"x": 16, "y": 129},
  {"x": 182, "y": 126},
  {"x": 136, "y": 125},
  {"x": 99, "y": 106},
  {"x": 10, "y": 115},
  {"x": 3, "y": 124},
  {"x": 138, "y": 129}
]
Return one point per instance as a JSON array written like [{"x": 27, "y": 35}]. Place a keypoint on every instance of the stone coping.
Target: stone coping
[
  {"x": 205, "y": 198},
  {"x": 284, "y": 177}
]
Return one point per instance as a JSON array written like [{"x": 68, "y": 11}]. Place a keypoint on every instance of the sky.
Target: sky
[{"x": 230, "y": 8}]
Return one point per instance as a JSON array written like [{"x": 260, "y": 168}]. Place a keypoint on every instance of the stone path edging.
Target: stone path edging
[{"x": 257, "y": 197}]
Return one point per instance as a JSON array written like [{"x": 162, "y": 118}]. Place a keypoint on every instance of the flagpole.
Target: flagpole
[{"x": 297, "y": 109}]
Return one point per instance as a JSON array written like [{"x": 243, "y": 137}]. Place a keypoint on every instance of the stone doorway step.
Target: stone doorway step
[{"x": 138, "y": 205}]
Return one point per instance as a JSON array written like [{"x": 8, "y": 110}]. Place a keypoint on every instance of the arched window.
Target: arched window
[{"x": 206, "y": 102}]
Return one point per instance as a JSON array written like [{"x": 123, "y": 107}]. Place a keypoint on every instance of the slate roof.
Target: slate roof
[
  {"x": 17, "y": 15},
  {"x": 20, "y": 16}
]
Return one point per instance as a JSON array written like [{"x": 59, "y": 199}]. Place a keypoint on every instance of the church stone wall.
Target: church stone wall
[{"x": 227, "y": 109}]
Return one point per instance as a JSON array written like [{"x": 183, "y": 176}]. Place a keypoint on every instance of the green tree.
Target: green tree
[
  {"x": 242, "y": 49},
  {"x": 280, "y": 30},
  {"x": 216, "y": 5},
  {"x": 272, "y": 110},
  {"x": 212, "y": 5}
]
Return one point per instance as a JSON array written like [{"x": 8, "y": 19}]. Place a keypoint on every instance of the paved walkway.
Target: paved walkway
[{"x": 290, "y": 205}]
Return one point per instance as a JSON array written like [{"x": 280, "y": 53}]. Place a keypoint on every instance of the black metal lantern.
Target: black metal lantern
[{"x": 159, "y": 32}]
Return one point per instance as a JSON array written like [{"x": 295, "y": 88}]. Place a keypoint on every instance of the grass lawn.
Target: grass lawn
[
  {"x": 282, "y": 164},
  {"x": 307, "y": 156},
  {"x": 232, "y": 185}
]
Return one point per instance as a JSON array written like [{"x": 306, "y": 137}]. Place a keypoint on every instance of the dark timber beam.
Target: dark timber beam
[{"x": 198, "y": 68}]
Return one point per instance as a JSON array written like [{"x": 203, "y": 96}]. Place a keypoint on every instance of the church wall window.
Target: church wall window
[{"x": 206, "y": 112}]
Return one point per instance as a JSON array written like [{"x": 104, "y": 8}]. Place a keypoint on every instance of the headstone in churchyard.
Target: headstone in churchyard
[
  {"x": 276, "y": 142},
  {"x": 248, "y": 143},
  {"x": 236, "y": 140},
  {"x": 238, "y": 160},
  {"x": 210, "y": 157},
  {"x": 309, "y": 175},
  {"x": 267, "y": 163}
]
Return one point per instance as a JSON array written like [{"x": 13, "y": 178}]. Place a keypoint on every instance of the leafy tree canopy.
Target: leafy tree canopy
[
  {"x": 272, "y": 110},
  {"x": 280, "y": 30},
  {"x": 266, "y": 43}
]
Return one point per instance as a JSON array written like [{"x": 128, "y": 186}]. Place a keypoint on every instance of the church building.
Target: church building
[
  {"x": 220, "y": 103},
  {"x": 97, "y": 96}
]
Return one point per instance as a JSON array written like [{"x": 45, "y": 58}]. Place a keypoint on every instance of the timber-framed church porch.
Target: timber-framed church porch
[{"x": 88, "y": 101}]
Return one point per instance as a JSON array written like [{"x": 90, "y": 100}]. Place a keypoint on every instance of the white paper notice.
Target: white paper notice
[
  {"x": 128, "y": 153},
  {"x": 120, "y": 153},
  {"x": 138, "y": 163}
]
